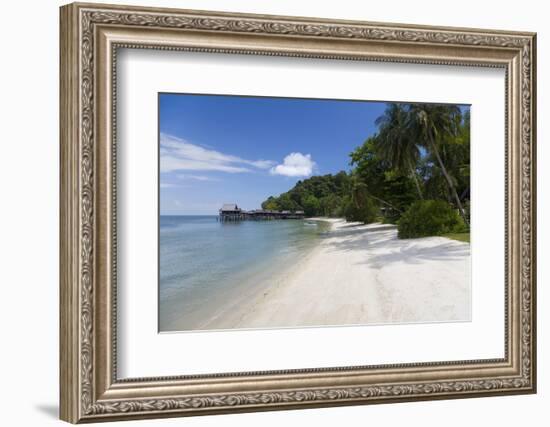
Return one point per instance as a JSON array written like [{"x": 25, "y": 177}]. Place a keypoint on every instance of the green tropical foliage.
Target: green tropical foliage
[
  {"x": 429, "y": 218},
  {"x": 415, "y": 171},
  {"x": 317, "y": 196},
  {"x": 433, "y": 126},
  {"x": 396, "y": 144}
]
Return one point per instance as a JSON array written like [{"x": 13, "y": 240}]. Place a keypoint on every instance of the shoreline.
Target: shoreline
[
  {"x": 234, "y": 315},
  {"x": 357, "y": 274},
  {"x": 248, "y": 285}
]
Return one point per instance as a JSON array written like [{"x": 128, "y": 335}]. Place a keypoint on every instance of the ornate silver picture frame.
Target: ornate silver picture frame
[{"x": 91, "y": 35}]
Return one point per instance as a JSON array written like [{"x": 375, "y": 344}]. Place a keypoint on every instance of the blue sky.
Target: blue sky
[{"x": 231, "y": 149}]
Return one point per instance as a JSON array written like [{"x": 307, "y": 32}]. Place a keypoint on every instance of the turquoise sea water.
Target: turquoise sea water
[{"x": 204, "y": 263}]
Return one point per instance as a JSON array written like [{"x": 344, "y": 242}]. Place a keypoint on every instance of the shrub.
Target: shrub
[
  {"x": 429, "y": 218},
  {"x": 367, "y": 212}
]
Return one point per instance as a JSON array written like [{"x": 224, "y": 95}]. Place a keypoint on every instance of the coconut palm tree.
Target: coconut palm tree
[
  {"x": 360, "y": 194},
  {"x": 395, "y": 144},
  {"x": 432, "y": 124}
]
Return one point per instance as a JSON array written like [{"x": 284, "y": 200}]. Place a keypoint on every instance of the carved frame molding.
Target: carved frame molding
[{"x": 90, "y": 37}]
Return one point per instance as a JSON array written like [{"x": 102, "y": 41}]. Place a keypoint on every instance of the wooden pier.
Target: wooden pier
[{"x": 231, "y": 212}]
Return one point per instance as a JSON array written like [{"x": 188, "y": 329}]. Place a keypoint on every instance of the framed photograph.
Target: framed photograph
[{"x": 265, "y": 212}]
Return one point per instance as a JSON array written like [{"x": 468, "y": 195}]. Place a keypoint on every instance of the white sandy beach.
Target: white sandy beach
[{"x": 361, "y": 274}]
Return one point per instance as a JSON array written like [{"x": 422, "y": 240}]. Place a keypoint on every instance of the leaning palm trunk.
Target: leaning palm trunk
[
  {"x": 358, "y": 197},
  {"x": 386, "y": 203},
  {"x": 415, "y": 178},
  {"x": 449, "y": 181}
]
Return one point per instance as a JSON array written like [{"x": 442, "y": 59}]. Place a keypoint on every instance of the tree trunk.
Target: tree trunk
[
  {"x": 449, "y": 180},
  {"x": 386, "y": 203},
  {"x": 413, "y": 173}
]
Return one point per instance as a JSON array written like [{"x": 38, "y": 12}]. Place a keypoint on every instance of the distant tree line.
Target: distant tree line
[
  {"x": 420, "y": 153},
  {"x": 316, "y": 196}
]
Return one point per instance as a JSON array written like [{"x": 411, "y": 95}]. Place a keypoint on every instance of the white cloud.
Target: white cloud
[
  {"x": 262, "y": 164},
  {"x": 178, "y": 154},
  {"x": 295, "y": 164},
  {"x": 196, "y": 177},
  {"x": 167, "y": 185}
]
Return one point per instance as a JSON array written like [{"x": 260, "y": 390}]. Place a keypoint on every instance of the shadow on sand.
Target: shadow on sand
[
  {"x": 353, "y": 229},
  {"x": 383, "y": 247}
]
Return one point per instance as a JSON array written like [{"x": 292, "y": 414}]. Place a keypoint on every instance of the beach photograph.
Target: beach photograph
[{"x": 292, "y": 212}]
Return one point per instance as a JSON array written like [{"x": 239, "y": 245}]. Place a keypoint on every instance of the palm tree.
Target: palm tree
[
  {"x": 395, "y": 143},
  {"x": 360, "y": 194},
  {"x": 432, "y": 124}
]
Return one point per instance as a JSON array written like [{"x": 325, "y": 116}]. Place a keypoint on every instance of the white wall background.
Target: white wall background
[{"x": 29, "y": 171}]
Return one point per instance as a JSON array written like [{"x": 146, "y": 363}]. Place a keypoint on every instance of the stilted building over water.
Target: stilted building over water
[{"x": 232, "y": 212}]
